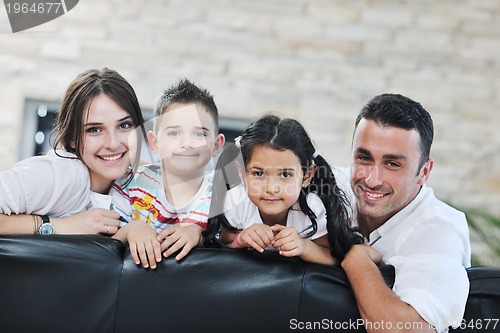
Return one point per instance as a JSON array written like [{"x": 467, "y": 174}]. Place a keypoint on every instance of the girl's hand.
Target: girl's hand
[
  {"x": 92, "y": 221},
  {"x": 258, "y": 236},
  {"x": 288, "y": 240},
  {"x": 144, "y": 247},
  {"x": 185, "y": 236}
]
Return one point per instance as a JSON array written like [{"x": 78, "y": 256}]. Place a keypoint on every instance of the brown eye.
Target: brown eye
[
  {"x": 126, "y": 125},
  {"x": 92, "y": 130}
]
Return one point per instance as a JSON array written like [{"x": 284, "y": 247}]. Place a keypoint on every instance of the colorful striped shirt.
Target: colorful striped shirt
[{"x": 144, "y": 199}]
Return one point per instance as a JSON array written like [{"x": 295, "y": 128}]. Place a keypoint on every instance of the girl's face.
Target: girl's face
[
  {"x": 274, "y": 179},
  {"x": 186, "y": 140},
  {"x": 106, "y": 129}
]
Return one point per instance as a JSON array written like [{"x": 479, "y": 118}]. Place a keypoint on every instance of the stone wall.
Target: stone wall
[{"x": 318, "y": 61}]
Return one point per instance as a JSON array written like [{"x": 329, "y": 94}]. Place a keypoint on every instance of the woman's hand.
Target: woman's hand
[
  {"x": 92, "y": 221},
  {"x": 183, "y": 236}
]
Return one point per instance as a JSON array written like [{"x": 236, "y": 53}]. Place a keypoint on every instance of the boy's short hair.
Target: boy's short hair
[{"x": 186, "y": 92}]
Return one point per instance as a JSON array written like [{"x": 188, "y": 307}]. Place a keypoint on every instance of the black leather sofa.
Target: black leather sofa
[{"x": 90, "y": 284}]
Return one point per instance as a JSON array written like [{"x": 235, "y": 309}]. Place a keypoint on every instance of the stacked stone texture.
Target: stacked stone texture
[{"x": 317, "y": 61}]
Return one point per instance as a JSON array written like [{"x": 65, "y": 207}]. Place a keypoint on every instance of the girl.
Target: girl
[
  {"x": 293, "y": 203},
  {"x": 98, "y": 112}
]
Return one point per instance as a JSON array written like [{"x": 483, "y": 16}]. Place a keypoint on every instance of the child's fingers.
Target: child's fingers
[
  {"x": 166, "y": 232},
  {"x": 254, "y": 240},
  {"x": 277, "y": 228},
  {"x": 142, "y": 255},
  {"x": 168, "y": 236},
  {"x": 253, "y": 244},
  {"x": 284, "y": 236},
  {"x": 174, "y": 248},
  {"x": 134, "y": 254},
  {"x": 184, "y": 252},
  {"x": 150, "y": 253},
  {"x": 265, "y": 236},
  {"x": 292, "y": 248}
]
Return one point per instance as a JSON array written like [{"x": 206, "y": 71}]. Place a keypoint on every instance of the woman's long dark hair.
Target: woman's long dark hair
[{"x": 288, "y": 134}]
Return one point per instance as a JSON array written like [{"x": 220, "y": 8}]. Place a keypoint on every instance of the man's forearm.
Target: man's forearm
[{"x": 380, "y": 308}]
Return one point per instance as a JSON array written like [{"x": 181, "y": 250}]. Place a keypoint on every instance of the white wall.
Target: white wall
[{"x": 319, "y": 61}]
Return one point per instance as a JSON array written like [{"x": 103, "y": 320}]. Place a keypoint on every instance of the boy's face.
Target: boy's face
[{"x": 185, "y": 139}]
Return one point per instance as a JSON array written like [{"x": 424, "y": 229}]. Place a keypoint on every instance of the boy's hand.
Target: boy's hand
[
  {"x": 144, "y": 247},
  {"x": 185, "y": 236},
  {"x": 258, "y": 236},
  {"x": 288, "y": 241}
]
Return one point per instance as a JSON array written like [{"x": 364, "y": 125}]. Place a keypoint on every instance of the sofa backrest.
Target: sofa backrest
[{"x": 91, "y": 284}]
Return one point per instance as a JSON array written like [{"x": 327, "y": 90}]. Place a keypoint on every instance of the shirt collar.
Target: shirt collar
[{"x": 400, "y": 216}]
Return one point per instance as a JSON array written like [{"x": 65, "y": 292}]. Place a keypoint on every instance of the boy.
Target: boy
[{"x": 175, "y": 192}]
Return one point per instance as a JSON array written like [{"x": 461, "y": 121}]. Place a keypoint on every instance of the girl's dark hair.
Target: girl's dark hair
[
  {"x": 78, "y": 98},
  {"x": 226, "y": 177},
  {"x": 288, "y": 134}
]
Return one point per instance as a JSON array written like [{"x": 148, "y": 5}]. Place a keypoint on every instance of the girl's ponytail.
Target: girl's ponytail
[{"x": 340, "y": 235}]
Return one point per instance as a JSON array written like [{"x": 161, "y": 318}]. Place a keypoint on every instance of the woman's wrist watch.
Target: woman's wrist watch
[{"x": 46, "y": 228}]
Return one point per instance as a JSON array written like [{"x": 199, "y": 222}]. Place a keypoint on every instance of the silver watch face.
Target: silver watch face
[{"x": 46, "y": 229}]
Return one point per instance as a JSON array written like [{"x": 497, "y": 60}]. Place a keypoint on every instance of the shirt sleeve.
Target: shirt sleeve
[
  {"x": 45, "y": 185},
  {"x": 439, "y": 296},
  {"x": 238, "y": 208},
  {"x": 430, "y": 273}
]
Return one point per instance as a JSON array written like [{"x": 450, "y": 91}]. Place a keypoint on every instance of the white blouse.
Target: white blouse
[
  {"x": 49, "y": 185},
  {"x": 242, "y": 213}
]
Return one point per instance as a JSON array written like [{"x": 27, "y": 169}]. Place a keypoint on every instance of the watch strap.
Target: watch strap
[{"x": 45, "y": 219}]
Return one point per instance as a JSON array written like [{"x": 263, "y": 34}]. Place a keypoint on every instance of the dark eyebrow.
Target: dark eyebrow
[
  {"x": 394, "y": 157},
  {"x": 124, "y": 118},
  {"x": 363, "y": 151},
  {"x": 397, "y": 157},
  {"x": 96, "y": 123}
]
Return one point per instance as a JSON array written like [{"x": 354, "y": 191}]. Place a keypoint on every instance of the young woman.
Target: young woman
[
  {"x": 42, "y": 194},
  {"x": 293, "y": 203}
]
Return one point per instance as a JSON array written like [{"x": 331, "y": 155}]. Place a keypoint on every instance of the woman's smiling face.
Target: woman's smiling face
[{"x": 106, "y": 131}]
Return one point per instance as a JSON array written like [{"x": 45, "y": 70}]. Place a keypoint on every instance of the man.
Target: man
[{"x": 404, "y": 224}]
